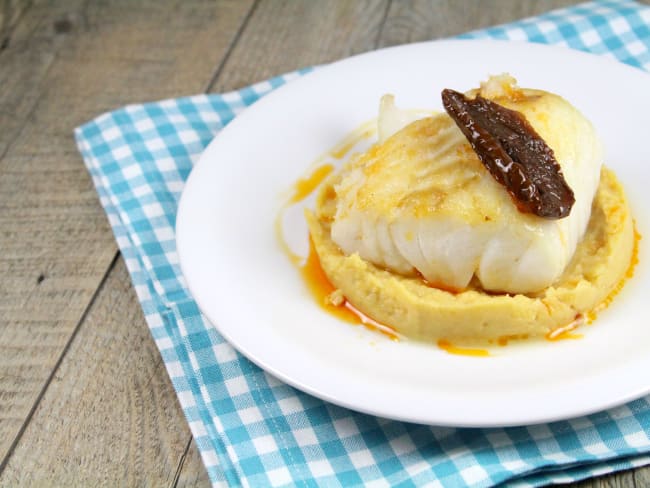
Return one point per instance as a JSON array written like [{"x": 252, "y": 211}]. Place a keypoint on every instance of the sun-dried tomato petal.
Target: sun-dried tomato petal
[{"x": 514, "y": 154}]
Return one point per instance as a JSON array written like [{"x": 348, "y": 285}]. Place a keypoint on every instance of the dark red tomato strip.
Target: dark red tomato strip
[{"x": 514, "y": 154}]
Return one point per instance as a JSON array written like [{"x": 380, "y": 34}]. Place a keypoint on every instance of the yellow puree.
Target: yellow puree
[{"x": 473, "y": 316}]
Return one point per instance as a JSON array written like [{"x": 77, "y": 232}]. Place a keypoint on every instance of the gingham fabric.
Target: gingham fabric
[{"x": 253, "y": 430}]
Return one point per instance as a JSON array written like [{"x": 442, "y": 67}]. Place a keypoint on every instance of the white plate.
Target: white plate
[{"x": 247, "y": 288}]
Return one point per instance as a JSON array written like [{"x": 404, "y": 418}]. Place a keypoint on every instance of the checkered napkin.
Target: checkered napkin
[{"x": 250, "y": 428}]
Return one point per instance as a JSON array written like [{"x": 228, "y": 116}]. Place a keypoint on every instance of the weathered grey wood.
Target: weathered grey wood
[
  {"x": 30, "y": 46},
  {"x": 623, "y": 479},
  {"x": 110, "y": 415},
  {"x": 83, "y": 58},
  {"x": 420, "y": 20},
  {"x": 10, "y": 12},
  {"x": 192, "y": 472},
  {"x": 642, "y": 477},
  {"x": 284, "y": 35}
]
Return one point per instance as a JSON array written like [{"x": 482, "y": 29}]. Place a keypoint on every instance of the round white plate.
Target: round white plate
[{"x": 248, "y": 289}]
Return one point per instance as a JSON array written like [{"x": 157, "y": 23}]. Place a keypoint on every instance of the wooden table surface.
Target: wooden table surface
[{"x": 84, "y": 396}]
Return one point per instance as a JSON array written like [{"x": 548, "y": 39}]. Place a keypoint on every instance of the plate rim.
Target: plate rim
[{"x": 287, "y": 378}]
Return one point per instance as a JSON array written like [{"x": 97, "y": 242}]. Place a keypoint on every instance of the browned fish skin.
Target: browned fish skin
[{"x": 514, "y": 154}]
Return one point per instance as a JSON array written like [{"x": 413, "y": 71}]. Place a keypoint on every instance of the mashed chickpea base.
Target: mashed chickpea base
[{"x": 473, "y": 316}]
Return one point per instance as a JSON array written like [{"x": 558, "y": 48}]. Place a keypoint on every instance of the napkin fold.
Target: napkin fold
[{"x": 252, "y": 429}]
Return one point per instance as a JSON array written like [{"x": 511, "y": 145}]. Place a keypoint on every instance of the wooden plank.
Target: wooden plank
[
  {"x": 192, "y": 473},
  {"x": 34, "y": 324},
  {"x": 30, "y": 47},
  {"x": 285, "y": 35},
  {"x": 110, "y": 415},
  {"x": 623, "y": 479},
  {"x": 642, "y": 476},
  {"x": 282, "y": 36},
  {"x": 55, "y": 240},
  {"x": 10, "y": 13},
  {"x": 423, "y": 20}
]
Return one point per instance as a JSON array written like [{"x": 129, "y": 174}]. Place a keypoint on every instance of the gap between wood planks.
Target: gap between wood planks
[
  {"x": 25, "y": 423},
  {"x": 9, "y": 24},
  {"x": 181, "y": 463},
  {"x": 39, "y": 394},
  {"x": 5, "y": 40},
  {"x": 380, "y": 29},
  {"x": 215, "y": 77},
  {"x": 111, "y": 266},
  {"x": 235, "y": 40},
  {"x": 209, "y": 86}
]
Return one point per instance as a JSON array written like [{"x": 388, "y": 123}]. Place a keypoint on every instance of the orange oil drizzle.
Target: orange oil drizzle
[
  {"x": 461, "y": 351},
  {"x": 565, "y": 332},
  {"x": 629, "y": 273},
  {"x": 440, "y": 286},
  {"x": 566, "y": 335},
  {"x": 344, "y": 147},
  {"x": 311, "y": 271},
  {"x": 305, "y": 186},
  {"x": 504, "y": 340},
  {"x": 320, "y": 288}
]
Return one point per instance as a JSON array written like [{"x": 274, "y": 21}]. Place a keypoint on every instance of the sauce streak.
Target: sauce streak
[
  {"x": 591, "y": 315},
  {"x": 566, "y": 332},
  {"x": 566, "y": 335},
  {"x": 320, "y": 288},
  {"x": 365, "y": 131},
  {"x": 461, "y": 351},
  {"x": 305, "y": 186},
  {"x": 341, "y": 151},
  {"x": 504, "y": 340}
]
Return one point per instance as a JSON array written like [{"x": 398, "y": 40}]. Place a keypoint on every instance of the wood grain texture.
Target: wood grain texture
[
  {"x": 623, "y": 479},
  {"x": 10, "y": 13},
  {"x": 642, "y": 477},
  {"x": 110, "y": 415},
  {"x": 40, "y": 302},
  {"x": 421, "y": 20},
  {"x": 284, "y": 35},
  {"x": 31, "y": 45},
  {"x": 55, "y": 240},
  {"x": 637, "y": 478},
  {"x": 192, "y": 473}
]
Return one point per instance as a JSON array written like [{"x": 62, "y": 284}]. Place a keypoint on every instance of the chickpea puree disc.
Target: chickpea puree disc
[{"x": 473, "y": 316}]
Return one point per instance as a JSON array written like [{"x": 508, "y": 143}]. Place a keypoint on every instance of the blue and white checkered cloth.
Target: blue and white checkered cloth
[{"x": 253, "y": 430}]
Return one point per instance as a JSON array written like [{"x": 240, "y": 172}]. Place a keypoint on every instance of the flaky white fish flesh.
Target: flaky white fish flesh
[{"x": 421, "y": 202}]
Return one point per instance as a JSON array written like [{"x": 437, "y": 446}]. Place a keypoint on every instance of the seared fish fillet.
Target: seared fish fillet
[{"x": 421, "y": 202}]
